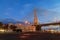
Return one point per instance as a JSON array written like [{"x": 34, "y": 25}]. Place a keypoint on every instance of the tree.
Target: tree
[
  {"x": 13, "y": 27},
  {"x": 1, "y": 24},
  {"x": 6, "y": 26}
]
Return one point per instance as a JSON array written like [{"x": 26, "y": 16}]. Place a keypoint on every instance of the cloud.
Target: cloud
[
  {"x": 9, "y": 8},
  {"x": 27, "y": 5},
  {"x": 56, "y": 7},
  {"x": 25, "y": 9},
  {"x": 21, "y": 12},
  {"x": 7, "y": 14},
  {"x": 8, "y": 11}
]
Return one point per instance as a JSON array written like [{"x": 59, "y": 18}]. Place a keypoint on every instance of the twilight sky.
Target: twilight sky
[{"x": 47, "y": 10}]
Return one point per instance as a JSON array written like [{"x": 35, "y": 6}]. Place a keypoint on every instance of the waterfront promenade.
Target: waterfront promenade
[{"x": 30, "y": 36}]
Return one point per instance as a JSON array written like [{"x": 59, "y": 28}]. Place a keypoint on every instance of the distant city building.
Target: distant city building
[{"x": 25, "y": 28}]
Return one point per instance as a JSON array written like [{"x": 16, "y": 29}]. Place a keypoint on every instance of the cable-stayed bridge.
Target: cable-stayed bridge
[{"x": 36, "y": 21}]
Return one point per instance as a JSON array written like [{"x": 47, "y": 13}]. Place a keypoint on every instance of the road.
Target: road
[{"x": 30, "y": 36}]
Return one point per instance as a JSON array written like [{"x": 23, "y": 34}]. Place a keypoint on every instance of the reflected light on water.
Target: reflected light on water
[{"x": 25, "y": 35}]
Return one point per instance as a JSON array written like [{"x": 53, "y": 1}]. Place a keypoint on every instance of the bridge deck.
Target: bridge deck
[{"x": 47, "y": 24}]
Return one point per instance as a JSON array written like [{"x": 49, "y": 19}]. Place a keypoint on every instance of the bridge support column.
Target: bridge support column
[{"x": 38, "y": 28}]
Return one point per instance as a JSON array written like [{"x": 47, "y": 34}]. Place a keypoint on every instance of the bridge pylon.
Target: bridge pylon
[
  {"x": 38, "y": 28},
  {"x": 35, "y": 17}
]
